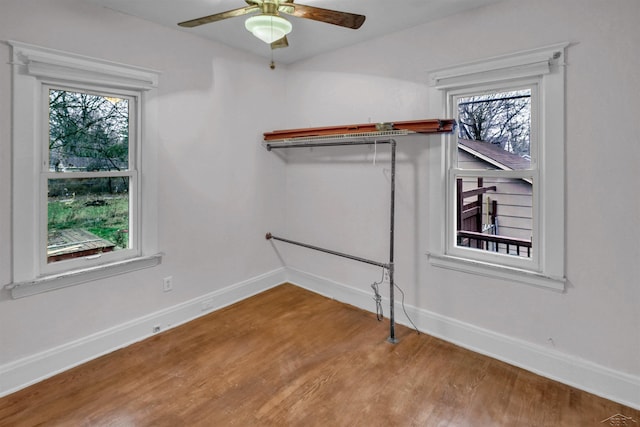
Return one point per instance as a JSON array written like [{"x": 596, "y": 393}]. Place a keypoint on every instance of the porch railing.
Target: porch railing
[{"x": 511, "y": 245}]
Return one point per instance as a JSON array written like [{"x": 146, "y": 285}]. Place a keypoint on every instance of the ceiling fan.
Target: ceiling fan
[{"x": 270, "y": 27}]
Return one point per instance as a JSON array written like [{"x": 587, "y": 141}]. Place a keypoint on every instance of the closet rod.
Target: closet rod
[
  {"x": 329, "y": 143},
  {"x": 389, "y": 266},
  {"x": 270, "y": 236}
]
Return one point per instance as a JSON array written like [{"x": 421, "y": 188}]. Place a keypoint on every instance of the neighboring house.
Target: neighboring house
[
  {"x": 501, "y": 207},
  {"x": 88, "y": 186},
  {"x": 64, "y": 163}
]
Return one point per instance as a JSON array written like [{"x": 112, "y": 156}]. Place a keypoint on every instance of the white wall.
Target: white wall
[
  {"x": 219, "y": 190},
  {"x": 596, "y": 321}
]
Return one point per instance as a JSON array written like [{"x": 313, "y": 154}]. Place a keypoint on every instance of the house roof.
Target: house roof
[{"x": 494, "y": 154}]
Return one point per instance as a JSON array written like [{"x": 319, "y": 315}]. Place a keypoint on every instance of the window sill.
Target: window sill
[
  {"x": 496, "y": 271},
  {"x": 76, "y": 277}
]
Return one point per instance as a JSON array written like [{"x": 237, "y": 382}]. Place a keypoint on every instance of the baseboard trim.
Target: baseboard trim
[
  {"x": 582, "y": 374},
  {"x": 32, "y": 369},
  {"x": 577, "y": 372}
]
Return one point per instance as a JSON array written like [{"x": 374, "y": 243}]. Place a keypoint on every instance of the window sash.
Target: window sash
[
  {"x": 91, "y": 260},
  {"x": 452, "y": 248},
  {"x": 452, "y": 95}
]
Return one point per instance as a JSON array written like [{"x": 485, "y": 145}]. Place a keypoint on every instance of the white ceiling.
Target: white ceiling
[{"x": 308, "y": 37}]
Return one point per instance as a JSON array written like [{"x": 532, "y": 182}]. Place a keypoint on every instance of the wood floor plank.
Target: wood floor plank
[{"x": 289, "y": 357}]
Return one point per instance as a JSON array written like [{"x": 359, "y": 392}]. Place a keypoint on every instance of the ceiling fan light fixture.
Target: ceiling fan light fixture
[{"x": 268, "y": 28}]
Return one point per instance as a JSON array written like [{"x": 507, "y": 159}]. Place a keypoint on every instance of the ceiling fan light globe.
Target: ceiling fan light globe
[{"x": 268, "y": 28}]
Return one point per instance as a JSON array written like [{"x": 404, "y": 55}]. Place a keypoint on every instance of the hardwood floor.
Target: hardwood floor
[{"x": 289, "y": 357}]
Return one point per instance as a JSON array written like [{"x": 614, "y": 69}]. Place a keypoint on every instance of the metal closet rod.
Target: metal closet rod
[
  {"x": 270, "y": 236},
  {"x": 390, "y": 265},
  {"x": 326, "y": 144}
]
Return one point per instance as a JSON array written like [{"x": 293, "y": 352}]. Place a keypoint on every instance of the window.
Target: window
[
  {"x": 91, "y": 175},
  {"x": 81, "y": 208},
  {"x": 492, "y": 176},
  {"x": 501, "y": 175}
]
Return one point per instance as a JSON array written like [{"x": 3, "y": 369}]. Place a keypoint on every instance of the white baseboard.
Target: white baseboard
[
  {"x": 32, "y": 369},
  {"x": 583, "y": 374},
  {"x": 577, "y": 372}
]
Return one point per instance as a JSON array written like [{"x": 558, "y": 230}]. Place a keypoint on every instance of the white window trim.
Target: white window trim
[
  {"x": 33, "y": 67},
  {"x": 547, "y": 65}
]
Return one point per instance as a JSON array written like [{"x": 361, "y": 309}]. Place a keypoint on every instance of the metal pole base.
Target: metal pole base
[{"x": 392, "y": 340}]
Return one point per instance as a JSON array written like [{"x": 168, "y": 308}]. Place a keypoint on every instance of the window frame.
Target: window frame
[
  {"x": 34, "y": 70},
  {"x": 532, "y": 263},
  {"x": 132, "y": 173},
  {"x": 543, "y": 69}
]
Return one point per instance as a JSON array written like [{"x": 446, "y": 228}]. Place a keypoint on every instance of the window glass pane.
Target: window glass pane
[
  {"x": 495, "y": 214},
  {"x": 87, "y": 132},
  {"x": 494, "y": 130},
  {"x": 87, "y": 216}
]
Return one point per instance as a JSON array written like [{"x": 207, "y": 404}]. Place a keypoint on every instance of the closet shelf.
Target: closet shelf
[{"x": 329, "y": 135}]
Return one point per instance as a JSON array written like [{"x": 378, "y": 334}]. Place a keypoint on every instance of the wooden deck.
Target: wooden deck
[
  {"x": 288, "y": 357},
  {"x": 75, "y": 243}
]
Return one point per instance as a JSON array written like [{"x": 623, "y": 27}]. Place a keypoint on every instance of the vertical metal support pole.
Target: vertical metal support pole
[{"x": 392, "y": 320}]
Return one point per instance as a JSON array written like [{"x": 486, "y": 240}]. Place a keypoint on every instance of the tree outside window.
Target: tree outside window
[{"x": 500, "y": 118}]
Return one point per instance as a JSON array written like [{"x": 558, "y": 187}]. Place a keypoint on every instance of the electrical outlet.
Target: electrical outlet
[
  {"x": 386, "y": 276},
  {"x": 167, "y": 284},
  {"x": 207, "y": 305}
]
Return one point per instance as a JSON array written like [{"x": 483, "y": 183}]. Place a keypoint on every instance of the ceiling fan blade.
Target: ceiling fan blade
[
  {"x": 219, "y": 16},
  {"x": 343, "y": 19},
  {"x": 283, "y": 42}
]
